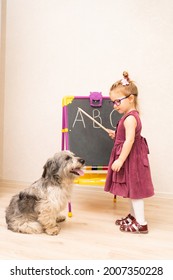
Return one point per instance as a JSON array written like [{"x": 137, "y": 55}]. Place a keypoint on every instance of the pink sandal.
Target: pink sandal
[
  {"x": 134, "y": 227},
  {"x": 125, "y": 221}
]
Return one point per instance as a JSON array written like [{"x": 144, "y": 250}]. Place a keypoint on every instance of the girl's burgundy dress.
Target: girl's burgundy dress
[{"x": 134, "y": 178}]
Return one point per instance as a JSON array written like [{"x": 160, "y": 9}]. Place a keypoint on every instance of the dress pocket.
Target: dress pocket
[
  {"x": 145, "y": 161},
  {"x": 119, "y": 177},
  {"x": 145, "y": 151}
]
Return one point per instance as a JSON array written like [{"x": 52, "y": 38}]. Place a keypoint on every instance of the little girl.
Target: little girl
[{"x": 129, "y": 172}]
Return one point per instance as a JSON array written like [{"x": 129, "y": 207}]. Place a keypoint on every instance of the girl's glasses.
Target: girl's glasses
[{"x": 117, "y": 102}]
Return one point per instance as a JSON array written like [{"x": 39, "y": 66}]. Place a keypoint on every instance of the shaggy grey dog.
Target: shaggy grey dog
[{"x": 37, "y": 208}]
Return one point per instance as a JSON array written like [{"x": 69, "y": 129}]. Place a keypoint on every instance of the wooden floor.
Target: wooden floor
[{"x": 91, "y": 233}]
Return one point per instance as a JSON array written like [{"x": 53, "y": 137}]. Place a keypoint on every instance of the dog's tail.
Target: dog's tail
[
  {"x": 27, "y": 202},
  {"x": 21, "y": 215},
  {"x": 25, "y": 227}
]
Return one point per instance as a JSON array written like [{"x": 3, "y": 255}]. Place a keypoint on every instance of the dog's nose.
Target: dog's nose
[{"x": 82, "y": 161}]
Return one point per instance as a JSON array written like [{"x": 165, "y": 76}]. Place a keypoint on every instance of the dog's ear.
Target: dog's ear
[
  {"x": 50, "y": 168},
  {"x": 46, "y": 168},
  {"x": 44, "y": 172}
]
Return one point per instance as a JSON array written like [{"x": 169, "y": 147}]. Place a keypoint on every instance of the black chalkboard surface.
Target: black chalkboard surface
[{"x": 85, "y": 138}]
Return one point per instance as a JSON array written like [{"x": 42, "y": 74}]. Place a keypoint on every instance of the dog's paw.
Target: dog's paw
[
  {"x": 60, "y": 219},
  {"x": 53, "y": 231}
]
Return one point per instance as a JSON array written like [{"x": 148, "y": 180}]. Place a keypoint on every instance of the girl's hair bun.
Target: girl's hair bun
[
  {"x": 125, "y": 81},
  {"x": 126, "y": 75}
]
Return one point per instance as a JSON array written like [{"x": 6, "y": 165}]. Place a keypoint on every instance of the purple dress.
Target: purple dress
[{"x": 134, "y": 178}]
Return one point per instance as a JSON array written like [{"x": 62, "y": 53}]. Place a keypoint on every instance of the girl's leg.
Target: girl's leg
[
  {"x": 131, "y": 210},
  {"x": 129, "y": 218},
  {"x": 138, "y": 207}
]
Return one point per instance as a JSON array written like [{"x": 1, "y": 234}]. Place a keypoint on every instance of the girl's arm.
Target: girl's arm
[
  {"x": 111, "y": 133},
  {"x": 130, "y": 126}
]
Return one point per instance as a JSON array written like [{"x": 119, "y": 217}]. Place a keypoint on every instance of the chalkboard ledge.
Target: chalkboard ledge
[
  {"x": 95, "y": 171},
  {"x": 94, "y": 179}
]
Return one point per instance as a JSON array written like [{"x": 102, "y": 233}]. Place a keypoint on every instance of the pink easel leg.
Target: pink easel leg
[{"x": 69, "y": 210}]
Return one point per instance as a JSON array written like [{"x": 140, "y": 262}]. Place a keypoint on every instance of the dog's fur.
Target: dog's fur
[{"x": 37, "y": 208}]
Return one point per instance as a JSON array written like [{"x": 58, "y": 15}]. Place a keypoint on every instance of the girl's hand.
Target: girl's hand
[
  {"x": 117, "y": 164},
  {"x": 111, "y": 133}
]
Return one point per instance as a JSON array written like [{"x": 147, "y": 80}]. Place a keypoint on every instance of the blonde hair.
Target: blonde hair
[{"x": 128, "y": 87}]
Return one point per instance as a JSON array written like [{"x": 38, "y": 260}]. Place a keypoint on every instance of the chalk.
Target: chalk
[{"x": 99, "y": 124}]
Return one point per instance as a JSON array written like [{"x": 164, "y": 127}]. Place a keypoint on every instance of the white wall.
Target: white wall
[
  {"x": 2, "y": 66},
  {"x": 71, "y": 47},
  {"x": 1, "y": 103}
]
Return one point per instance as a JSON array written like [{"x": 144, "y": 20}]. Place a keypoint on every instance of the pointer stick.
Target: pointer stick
[{"x": 99, "y": 124}]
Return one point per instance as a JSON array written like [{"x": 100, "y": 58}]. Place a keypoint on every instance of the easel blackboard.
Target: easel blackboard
[
  {"x": 87, "y": 140},
  {"x": 82, "y": 136}
]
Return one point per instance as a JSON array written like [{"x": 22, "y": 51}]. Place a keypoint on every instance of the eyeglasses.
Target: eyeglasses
[{"x": 117, "y": 102}]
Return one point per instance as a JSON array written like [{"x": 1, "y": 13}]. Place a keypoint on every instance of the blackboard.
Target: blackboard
[{"x": 85, "y": 138}]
